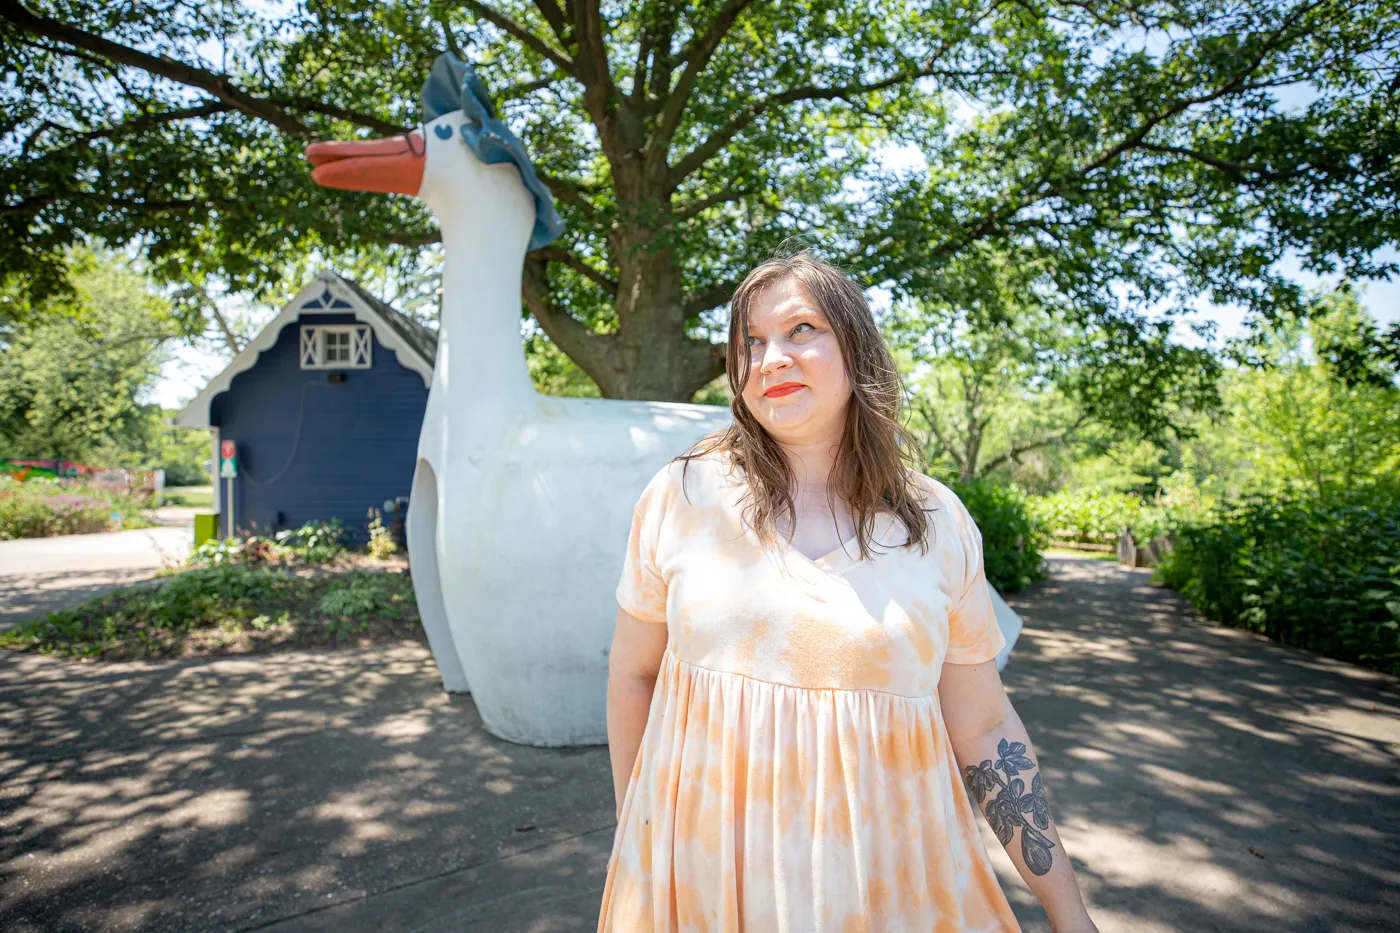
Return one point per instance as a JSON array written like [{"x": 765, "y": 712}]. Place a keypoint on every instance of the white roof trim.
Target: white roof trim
[{"x": 196, "y": 413}]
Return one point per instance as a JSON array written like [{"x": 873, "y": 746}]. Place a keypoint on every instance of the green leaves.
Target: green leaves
[
  {"x": 1117, "y": 157},
  {"x": 70, "y": 375},
  {"x": 1321, "y": 574},
  {"x": 1012, "y": 541},
  {"x": 228, "y": 607}
]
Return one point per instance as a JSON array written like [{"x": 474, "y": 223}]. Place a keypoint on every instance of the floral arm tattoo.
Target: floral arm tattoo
[{"x": 1013, "y": 808}]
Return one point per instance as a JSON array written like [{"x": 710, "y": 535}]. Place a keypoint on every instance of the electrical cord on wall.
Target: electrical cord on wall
[{"x": 296, "y": 443}]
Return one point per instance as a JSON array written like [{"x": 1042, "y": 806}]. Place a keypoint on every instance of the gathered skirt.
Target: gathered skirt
[{"x": 763, "y": 807}]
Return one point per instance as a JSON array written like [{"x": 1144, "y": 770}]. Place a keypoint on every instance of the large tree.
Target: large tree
[
  {"x": 985, "y": 393},
  {"x": 1131, "y": 151}
]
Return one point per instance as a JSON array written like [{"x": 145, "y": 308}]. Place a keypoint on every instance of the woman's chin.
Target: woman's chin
[{"x": 786, "y": 422}]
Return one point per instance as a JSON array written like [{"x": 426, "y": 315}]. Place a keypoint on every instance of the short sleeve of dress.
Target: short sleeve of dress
[
  {"x": 973, "y": 633},
  {"x": 641, "y": 592}
]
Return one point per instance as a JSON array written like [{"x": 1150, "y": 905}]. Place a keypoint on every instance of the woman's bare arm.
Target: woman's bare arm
[
  {"x": 633, "y": 664},
  {"x": 1003, "y": 777}
]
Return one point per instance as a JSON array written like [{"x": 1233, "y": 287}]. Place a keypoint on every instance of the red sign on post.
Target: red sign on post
[{"x": 226, "y": 450}]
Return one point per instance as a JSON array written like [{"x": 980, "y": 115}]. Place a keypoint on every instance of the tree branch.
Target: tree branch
[
  {"x": 646, "y": 44},
  {"x": 1237, "y": 169},
  {"x": 686, "y": 212},
  {"x": 528, "y": 87},
  {"x": 599, "y": 92},
  {"x": 414, "y": 239},
  {"x": 218, "y": 86},
  {"x": 696, "y": 56},
  {"x": 506, "y": 24},
  {"x": 569, "y": 193},
  {"x": 131, "y": 126},
  {"x": 575, "y": 338},
  {"x": 931, "y": 419},
  {"x": 707, "y": 298},
  {"x": 40, "y": 201},
  {"x": 449, "y": 40},
  {"x": 555, "y": 17},
  {"x": 230, "y": 338},
  {"x": 1133, "y": 140},
  {"x": 564, "y": 257},
  {"x": 1016, "y": 451},
  {"x": 92, "y": 60},
  {"x": 340, "y": 113},
  {"x": 717, "y": 140}
]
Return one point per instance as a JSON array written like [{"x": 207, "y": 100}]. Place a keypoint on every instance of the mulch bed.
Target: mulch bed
[{"x": 236, "y": 609}]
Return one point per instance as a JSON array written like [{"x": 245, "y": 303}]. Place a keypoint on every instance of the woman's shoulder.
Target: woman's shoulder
[
  {"x": 686, "y": 477},
  {"x": 940, "y": 499},
  {"x": 934, "y": 493}
]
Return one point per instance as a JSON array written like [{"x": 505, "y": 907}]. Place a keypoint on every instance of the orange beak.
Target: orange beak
[{"x": 390, "y": 166}]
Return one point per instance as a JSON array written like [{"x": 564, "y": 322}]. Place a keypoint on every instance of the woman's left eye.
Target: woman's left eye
[{"x": 799, "y": 327}]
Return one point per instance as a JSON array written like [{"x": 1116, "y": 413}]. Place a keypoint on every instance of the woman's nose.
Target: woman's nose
[{"x": 775, "y": 356}]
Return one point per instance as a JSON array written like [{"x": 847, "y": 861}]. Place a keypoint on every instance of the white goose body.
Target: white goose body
[{"x": 521, "y": 503}]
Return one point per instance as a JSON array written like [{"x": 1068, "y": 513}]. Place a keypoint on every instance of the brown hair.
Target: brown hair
[{"x": 869, "y": 474}]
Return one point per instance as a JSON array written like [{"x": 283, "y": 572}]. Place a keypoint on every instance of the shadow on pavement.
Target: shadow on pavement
[
  {"x": 340, "y": 790},
  {"x": 1175, "y": 751},
  {"x": 344, "y": 791},
  {"x": 25, "y": 597}
]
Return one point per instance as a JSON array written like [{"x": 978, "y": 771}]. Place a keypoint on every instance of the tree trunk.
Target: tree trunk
[{"x": 655, "y": 359}]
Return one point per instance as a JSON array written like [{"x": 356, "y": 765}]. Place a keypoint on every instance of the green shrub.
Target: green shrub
[
  {"x": 1012, "y": 541},
  {"x": 1323, "y": 575},
  {"x": 312, "y": 543},
  {"x": 43, "y": 506},
  {"x": 250, "y": 550},
  {"x": 353, "y": 601},
  {"x": 315, "y": 542},
  {"x": 1088, "y": 515}
]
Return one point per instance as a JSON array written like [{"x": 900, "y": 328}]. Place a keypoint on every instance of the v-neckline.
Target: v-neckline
[
  {"x": 836, "y": 562},
  {"x": 843, "y": 555}
]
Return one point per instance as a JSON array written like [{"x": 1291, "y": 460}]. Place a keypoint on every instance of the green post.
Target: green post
[{"x": 206, "y": 527}]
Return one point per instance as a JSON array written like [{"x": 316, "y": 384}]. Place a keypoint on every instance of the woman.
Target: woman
[{"x": 804, "y": 662}]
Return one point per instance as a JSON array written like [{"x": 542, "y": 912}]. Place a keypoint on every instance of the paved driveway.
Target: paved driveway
[
  {"x": 1203, "y": 780},
  {"x": 39, "y": 575}
]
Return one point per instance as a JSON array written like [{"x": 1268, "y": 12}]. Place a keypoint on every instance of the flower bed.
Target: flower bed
[{"x": 43, "y": 507}]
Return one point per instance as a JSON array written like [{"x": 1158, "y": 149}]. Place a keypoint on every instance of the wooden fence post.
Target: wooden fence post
[{"x": 1127, "y": 548}]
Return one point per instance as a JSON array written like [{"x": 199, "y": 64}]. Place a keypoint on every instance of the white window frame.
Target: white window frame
[{"x": 313, "y": 346}]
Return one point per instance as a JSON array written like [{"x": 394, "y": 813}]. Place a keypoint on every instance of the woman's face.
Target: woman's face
[{"x": 797, "y": 386}]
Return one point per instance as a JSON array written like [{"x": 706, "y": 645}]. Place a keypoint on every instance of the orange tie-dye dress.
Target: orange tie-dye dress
[{"x": 795, "y": 775}]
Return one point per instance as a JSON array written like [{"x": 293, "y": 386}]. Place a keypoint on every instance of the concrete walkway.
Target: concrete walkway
[
  {"x": 1203, "y": 780},
  {"x": 39, "y": 575}
]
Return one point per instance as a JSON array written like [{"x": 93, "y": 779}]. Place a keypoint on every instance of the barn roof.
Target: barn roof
[
  {"x": 415, "y": 334},
  {"x": 414, "y": 345}
]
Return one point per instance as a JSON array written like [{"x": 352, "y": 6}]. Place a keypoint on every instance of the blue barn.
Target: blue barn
[{"x": 324, "y": 407}]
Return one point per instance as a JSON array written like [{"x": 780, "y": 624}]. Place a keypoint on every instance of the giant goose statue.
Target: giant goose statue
[{"x": 521, "y": 503}]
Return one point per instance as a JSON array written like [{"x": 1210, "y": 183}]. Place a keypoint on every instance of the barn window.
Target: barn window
[{"x": 336, "y": 346}]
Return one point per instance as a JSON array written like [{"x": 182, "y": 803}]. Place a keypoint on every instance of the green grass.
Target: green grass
[
  {"x": 230, "y": 609},
  {"x": 195, "y": 497},
  {"x": 1071, "y": 552}
]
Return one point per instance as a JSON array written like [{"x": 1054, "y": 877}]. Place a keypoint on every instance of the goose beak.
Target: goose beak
[{"x": 388, "y": 166}]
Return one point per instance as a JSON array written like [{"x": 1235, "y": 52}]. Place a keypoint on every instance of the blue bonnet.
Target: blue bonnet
[{"x": 453, "y": 85}]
